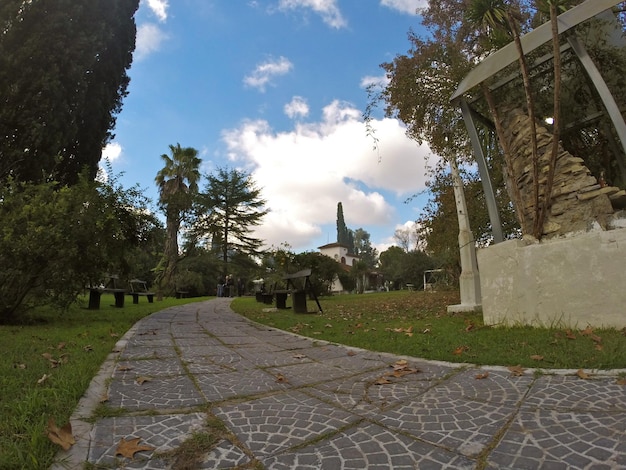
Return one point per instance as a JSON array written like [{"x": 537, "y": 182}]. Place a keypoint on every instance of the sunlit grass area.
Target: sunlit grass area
[{"x": 417, "y": 324}]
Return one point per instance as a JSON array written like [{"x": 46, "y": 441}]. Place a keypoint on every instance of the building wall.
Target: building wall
[{"x": 340, "y": 254}]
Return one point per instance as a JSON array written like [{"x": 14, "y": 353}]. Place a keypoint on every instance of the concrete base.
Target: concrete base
[
  {"x": 568, "y": 282},
  {"x": 461, "y": 308}
]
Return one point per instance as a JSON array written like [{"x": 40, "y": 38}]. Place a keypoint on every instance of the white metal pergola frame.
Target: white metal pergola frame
[{"x": 506, "y": 56}]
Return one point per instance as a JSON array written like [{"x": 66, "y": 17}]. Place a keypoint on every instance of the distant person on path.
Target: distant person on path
[
  {"x": 230, "y": 286},
  {"x": 241, "y": 287},
  {"x": 220, "y": 287}
]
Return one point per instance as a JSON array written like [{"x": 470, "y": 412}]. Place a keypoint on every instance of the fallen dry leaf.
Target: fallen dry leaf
[
  {"x": 299, "y": 356},
  {"x": 621, "y": 381},
  {"x": 124, "y": 368},
  {"x": 516, "y": 371},
  {"x": 536, "y": 357},
  {"x": 60, "y": 346},
  {"x": 61, "y": 436},
  {"x": 382, "y": 381},
  {"x": 482, "y": 376},
  {"x": 569, "y": 334},
  {"x": 88, "y": 348},
  {"x": 43, "y": 378},
  {"x": 402, "y": 372},
  {"x": 582, "y": 374},
  {"x": 595, "y": 338},
  {"x": 587, "y": 331},
  {"x": 128, "y": 448},
  {"x": 280, "y": 378},
  {"x": 141, "y": 380},
  {"x": 351, "y": 353},
  {"x": 19, "y": 366},
  {"x": 458, "y": 351}
]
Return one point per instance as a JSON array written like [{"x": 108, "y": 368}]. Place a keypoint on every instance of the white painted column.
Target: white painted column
[{"x": 470, "y": 278}]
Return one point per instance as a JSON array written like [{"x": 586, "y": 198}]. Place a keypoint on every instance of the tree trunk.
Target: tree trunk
[{"x": 556, "y": 124}]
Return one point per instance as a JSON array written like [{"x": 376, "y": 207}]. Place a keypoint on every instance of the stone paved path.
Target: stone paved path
[{"x": 279, "y": 401}]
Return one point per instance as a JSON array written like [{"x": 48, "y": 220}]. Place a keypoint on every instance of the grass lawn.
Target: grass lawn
[
  {"x": 46, "y": 367},
  {"x": 416, "y": 324}
]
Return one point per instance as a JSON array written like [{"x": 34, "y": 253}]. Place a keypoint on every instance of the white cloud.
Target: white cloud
[
  {"x": 306, "y": 171},
  {"x": 379, "y": 82},
  {"x": 159, "y": 8},
  {"x": 149, "y": 40},
  {"x": 405, "y": 6},
  {"x": 327, "y": 9},
  {"x": 112, "y": 151},
  {"x": 297, "y": 107},
  {"x": 266, "y": 71}
]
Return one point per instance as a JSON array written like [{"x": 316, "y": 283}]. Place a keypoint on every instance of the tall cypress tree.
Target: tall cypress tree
[
  {"x": 344, "y": 234},
  {"x": 63, "y": 76}
]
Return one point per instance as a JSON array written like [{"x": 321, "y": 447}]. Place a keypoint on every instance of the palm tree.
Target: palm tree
[
  {"x": 555, "y": 7},
  {"x": 498, "y": 15},
  {"x": 178, "y": 183}
]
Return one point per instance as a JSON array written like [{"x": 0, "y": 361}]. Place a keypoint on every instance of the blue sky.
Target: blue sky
[{"x": 277, "y": 88}]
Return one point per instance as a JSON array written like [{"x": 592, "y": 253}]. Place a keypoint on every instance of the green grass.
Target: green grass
[
  {"x": 417, "y": 324},
  {"x": 79, "y": 340}
]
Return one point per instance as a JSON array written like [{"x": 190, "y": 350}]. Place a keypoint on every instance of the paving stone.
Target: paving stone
[
  {"x": 224, "y": 455},
  {"x": 307, "y": 373},
  {"x": 158, "y": 393},
  {"x": 577, "y": 439},
  {"x": 361, "y": 394},
  {"x": 456, "y": 423},
  {"x": 272, "y": 424},
  {"x": 164, "y": 433},
  {"x": 148, "y": 352},
  {"x": 262, "y": 357},
  {"x": 130, "y": 370},
  {"x": 573, "y": 393},
  {"x": 369, "y": 447},
  {"x": 231, "y": 384}
]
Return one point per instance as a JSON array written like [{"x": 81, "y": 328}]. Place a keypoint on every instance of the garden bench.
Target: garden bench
[
  {"x": 298, "y": 294},
  {"x": 110, "y": 286},
  {"x": 137, "y": 288}
]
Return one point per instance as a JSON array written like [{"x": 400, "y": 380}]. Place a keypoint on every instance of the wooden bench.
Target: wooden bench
[
  {"x": 298, "y": 293},
  {"x": 139, "y": 288},
  {"x": 110, "y": 286}
]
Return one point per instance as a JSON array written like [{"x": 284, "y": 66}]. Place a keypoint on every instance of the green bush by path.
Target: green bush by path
[
  {"x": 417, "y": 324},
  {"x": 78, "y": 341}
]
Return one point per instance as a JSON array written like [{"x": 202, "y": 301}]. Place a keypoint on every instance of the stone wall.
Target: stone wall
[{"x": 578, "y": 203}]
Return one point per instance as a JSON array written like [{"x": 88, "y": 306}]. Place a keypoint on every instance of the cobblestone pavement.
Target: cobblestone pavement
[{"x": 243, "y": 395}]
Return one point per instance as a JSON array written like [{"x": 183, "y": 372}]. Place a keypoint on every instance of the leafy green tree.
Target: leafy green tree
[
  {"x": 324, "y": 270},
  {"x": 363, "y": 248},
  {"x": 56, "y": 239},
  {"x": 178, "y": 186},
  {"x": 227, "y": 210},
  {"x": 438, "y": 222},
  {"x": 391, "y": 266},
  {"x": 63, "y": 77},
  {"x": 413, "y": 266}
]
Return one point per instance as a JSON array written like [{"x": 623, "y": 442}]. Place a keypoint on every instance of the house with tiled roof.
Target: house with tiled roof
[{"x": 339, "y": 252}]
